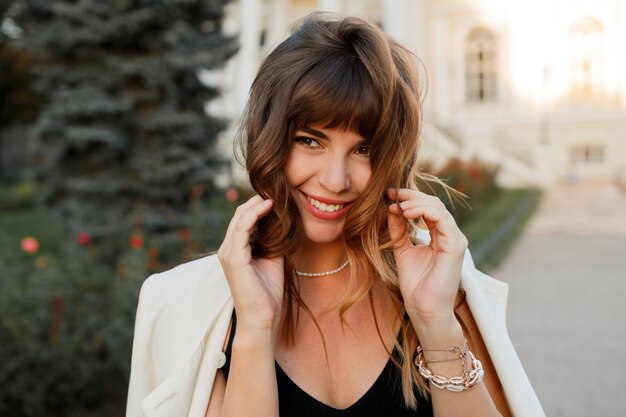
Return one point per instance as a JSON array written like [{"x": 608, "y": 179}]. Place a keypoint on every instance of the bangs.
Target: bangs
[{"x": 336, "y": 93}]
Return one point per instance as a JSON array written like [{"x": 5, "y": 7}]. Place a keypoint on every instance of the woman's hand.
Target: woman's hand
[
  {"x": 429, "y": 275},
  {"x": 256, "y": 284}
]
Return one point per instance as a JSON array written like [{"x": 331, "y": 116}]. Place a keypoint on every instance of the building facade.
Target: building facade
[{"x": 537, "y": 87}]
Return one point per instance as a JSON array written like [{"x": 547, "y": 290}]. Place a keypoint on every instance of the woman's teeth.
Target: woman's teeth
[{"x": 329, "y": 208}]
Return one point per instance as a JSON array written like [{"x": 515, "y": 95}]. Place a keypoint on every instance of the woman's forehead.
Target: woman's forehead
[
  {"x": 348, "y": 124},
  {"x": 324, "y": 132}
]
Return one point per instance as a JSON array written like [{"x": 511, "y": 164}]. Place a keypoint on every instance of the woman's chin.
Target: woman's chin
[{"x": 323, "y": 234}]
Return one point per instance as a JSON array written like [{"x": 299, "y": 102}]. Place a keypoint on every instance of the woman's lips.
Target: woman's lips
[{"x": 328, "y": 209}]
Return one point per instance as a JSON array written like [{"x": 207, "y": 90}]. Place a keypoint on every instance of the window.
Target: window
[
  {"x": 586, "y": 58},
  {"x": 480, "y": 66},
  {"x": 587, "y": 153}
]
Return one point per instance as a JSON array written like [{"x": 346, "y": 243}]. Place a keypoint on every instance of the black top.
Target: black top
[{"x": 384, "y": 397}]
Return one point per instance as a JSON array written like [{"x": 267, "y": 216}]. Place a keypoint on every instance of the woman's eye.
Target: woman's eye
[
  {"x": 363, "y": 150},
  {"x": 307, "y": 141}
]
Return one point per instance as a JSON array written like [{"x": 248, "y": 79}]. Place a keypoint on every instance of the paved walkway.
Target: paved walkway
[{"x": 567, "y": 302}]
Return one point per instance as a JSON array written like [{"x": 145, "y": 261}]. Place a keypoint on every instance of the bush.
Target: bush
[
  {"x": 65, "y": 328},
  {"x": 20, "y": 196},
  {"x": 474, "y": 179},
  {"x": 67, "y": 309},
  {"x": 39, "y": 222}
]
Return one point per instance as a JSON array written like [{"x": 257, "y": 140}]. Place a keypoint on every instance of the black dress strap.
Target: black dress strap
[{"x": 229, "y": 345}]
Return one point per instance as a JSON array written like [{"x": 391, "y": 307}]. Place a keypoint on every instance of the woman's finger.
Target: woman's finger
[
  {"x": 237, "y": 215},
  {"x": 235, "y": 252},
  {"x": 230, "y": 242},
  {"x": 439, "y": 221},
  {"x": 403, "y": 194},
  {"x": 409, "y": 204},
  {"x": 246, "y": 222},
  {"x": 397, "y": 232},
  {"x": 441, "y": 218},
  {"x": 412, "y": 208}
]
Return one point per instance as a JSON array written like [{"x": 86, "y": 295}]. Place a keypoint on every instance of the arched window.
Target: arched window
[
  {"x": 586, "y": 58},
  {"x": 481, "y": 66}
]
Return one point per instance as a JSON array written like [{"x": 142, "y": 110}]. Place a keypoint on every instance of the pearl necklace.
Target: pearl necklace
[{"x": 323, "y": 274}]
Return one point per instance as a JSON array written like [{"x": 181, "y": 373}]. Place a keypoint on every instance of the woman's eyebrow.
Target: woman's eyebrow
[{"x": 314, "y": 132}]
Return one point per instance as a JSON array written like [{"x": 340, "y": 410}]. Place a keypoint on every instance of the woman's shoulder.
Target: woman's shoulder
[
  {"x": 176, "y": 309},
  {"x": 182, "y": 279}
]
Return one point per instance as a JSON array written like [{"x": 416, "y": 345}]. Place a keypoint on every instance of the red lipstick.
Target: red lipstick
[{"x": 325, "y": 215}]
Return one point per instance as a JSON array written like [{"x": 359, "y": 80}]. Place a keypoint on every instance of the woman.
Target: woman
[{"x": 336, "y": 310}]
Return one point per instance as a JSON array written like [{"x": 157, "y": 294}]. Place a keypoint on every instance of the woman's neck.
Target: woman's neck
[
  {"x": 320, "y": 293},
  {"x": 319, "y": 257}
]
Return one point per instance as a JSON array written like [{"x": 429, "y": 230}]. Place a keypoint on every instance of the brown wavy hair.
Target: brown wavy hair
[{"x": 344, "y": 73}]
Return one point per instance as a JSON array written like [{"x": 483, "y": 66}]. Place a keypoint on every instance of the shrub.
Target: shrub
[
  {"x": 474, "y": 179},
  {"x": 65, "y": 328},
  {"x": 19, "y": 196},
  {"x": 67, "y": 310}
]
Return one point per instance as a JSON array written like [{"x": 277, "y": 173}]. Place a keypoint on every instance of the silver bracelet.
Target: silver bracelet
[{"x": 469, "y": 379}]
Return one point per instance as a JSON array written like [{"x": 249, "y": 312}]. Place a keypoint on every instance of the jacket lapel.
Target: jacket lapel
[
  {"x": 486, "y": 298},
  {"x": 171, "y": 397},
  {"x": 204, "y": 324}
]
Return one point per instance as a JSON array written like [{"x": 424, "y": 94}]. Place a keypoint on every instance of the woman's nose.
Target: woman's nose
[{"x": 335, "y": 176}]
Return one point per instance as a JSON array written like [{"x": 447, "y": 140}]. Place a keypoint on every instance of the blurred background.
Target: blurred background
[{"x": 117, "y": 120}]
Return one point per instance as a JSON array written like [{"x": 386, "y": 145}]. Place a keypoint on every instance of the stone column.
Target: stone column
[
  {"x": 278, "y": 26},
  {"x": 416, "y": 27},
  {"x": 621, "y": 46},
  {"x": 330, "y": 5},
  {"x": 404, "y": 20},
  {"x": 440, "y": 75},
  {"x": 250, "y": 35},
  {"x": 396, "y": 19}
]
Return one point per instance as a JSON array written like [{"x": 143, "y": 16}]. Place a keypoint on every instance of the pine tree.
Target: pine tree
[
  {"x": 4, "y": 6},
  {"x": 124, "y": 137}
]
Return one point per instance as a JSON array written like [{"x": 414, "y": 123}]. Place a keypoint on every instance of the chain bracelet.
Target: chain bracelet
[{"x": 469, "y": 379}]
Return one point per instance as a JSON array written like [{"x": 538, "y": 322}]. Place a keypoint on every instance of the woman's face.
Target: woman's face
[{"x": 327, "y": 170}]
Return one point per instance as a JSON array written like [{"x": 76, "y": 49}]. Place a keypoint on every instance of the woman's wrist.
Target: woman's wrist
[
  {"x": 437, "y": 333},
  {"x": 441, "y": 344},
  {"x": 252, "y": 338}
]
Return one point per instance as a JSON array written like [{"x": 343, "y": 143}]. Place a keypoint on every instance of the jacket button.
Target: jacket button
[{"x": 219, "y": 359}]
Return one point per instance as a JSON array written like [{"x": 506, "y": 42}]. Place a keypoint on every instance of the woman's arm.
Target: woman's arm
[
  {"x": 473, "y": 402},
  {"x": 429, "y": 277},
  {"x": 251, "y": 387},
  {"x": 257, "y": 289}
]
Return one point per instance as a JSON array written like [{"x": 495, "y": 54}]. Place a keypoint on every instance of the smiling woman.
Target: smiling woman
[
  {"x": 318, "y": 302},
  {"x": 326, "y": 171}
]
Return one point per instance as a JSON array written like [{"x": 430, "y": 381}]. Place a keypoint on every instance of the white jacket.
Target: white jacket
[{"x": 184, "y": 314}]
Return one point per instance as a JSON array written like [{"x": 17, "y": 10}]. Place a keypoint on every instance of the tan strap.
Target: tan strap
[{"x": 477, "y": 346}]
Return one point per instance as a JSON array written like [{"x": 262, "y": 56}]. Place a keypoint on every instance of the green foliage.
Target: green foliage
[
  {"x": 124, "y": 137},
  {"x": 67, "y": 309},
  {"x": 65, "y": 328},
  {"x": 21, "y": 215},
  {"x": 19, "y": 196},
  {"x": 490, "y": 217},
  {"x": 18, "y": 102},
  {"x": 473, "y": 179},
  {"x": 39, "y": 222},
  {"x": 210, "y": 217},
  {"x": 485, "y": 222}
]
